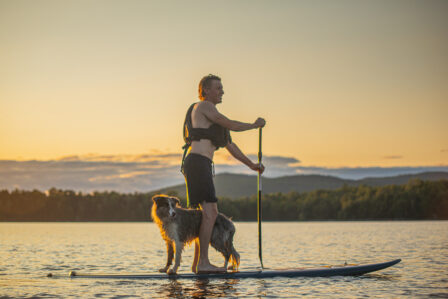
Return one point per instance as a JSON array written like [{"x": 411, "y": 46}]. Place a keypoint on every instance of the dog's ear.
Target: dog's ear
[
  {"x": 176, "y": 200},
  {"x": 156, "y": 199}
]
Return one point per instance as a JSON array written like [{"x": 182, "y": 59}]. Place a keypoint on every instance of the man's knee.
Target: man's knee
[{"x": 209, "y": 211}]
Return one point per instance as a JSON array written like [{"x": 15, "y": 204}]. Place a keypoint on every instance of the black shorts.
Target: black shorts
[{"x": 198, "y": 171}]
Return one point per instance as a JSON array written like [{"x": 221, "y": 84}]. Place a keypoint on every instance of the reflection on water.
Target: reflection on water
[
  {"x": 29, "y": 251},
  {"x": 201, "y": 288}
]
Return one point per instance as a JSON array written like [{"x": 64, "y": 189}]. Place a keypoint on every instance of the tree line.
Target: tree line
[{"x": 416, "y": 200}]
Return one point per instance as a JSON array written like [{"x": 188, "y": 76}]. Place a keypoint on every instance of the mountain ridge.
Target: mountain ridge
[{"x": 240, "y": 185}]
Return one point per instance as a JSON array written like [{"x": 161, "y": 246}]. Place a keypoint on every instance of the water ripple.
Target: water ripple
[{"x": 35, "y": 249}]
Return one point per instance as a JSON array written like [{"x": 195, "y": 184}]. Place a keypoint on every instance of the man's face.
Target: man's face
[{"x": 215, "y": 92}]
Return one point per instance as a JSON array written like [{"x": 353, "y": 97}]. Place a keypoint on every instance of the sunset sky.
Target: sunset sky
[{"x": 341, "y": 84}]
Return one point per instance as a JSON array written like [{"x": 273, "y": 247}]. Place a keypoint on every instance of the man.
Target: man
[{"x": 209, "y": 130}]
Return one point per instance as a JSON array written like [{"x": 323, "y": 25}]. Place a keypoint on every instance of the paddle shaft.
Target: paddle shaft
[{"x": 259, "y": 199}]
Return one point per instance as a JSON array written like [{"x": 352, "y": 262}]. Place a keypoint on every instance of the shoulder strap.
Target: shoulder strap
[{"x": 188, "y": 125}]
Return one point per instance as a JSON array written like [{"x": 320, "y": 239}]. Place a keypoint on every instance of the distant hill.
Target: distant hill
[{"x": 238, "y": 185}]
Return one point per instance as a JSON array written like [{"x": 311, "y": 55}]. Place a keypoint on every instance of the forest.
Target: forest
[{"x": 416, "y": 200}]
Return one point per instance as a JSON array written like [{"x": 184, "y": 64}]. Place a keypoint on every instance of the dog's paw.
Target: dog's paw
[
  {"x": 232, "y": 268},
  {"x": 172, "y": 272},
  {"x": 163, "y": 270}
]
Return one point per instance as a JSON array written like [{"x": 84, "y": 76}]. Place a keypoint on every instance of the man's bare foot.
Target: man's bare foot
[{"x": 209, "y": 268}]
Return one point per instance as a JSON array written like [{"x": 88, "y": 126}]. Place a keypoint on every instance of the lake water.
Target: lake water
[{"x": 29, "y": 251}]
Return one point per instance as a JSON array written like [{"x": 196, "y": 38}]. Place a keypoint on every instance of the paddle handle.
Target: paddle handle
[{"x": 260, "y": 156}]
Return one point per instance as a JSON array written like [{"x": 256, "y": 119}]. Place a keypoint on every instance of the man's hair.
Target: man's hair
[{"x": 206, "y": 83}]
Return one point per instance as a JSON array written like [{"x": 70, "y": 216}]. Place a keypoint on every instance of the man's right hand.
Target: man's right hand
[{"x": 259, "y": 123}]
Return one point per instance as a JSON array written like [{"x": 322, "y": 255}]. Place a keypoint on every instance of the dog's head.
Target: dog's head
[{"x": 164, "y": 206}]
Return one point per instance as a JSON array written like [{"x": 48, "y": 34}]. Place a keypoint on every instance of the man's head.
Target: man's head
[{"x": 210, "y": 89}]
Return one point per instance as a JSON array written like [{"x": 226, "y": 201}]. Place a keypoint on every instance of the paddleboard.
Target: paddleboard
[{"x": 304, "y": 272}]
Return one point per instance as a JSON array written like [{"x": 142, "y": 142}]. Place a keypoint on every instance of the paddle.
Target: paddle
[{"x": 259, "y": 200}]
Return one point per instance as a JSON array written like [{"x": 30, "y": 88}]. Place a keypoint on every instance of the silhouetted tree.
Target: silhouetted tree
[{"x": 415, "y": 200}]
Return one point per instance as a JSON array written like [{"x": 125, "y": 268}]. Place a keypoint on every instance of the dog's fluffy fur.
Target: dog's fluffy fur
[{"x": 180, "y": 226}]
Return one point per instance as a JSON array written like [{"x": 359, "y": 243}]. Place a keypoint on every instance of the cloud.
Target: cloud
[
  {"x": 119, "y": 176},
  {"x": 276, "y": 160},
  {"x": 275, "y": 165},
  {"x": 392, "y": 157},
  {"x": 155, "y": 156},
  {"x": 155, "y": 170},
  {"x": 356, "y": 173},
  {"x": 124, "y": 173}
]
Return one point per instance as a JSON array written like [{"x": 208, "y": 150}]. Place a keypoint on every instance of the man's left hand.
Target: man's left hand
[{"x": 257, "y": 167}]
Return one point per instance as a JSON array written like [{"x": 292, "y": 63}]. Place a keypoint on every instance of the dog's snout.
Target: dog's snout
[{"x": 172, "y": 212}]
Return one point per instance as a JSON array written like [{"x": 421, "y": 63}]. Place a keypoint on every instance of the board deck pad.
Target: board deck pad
[{"x": 348, "y": 270}]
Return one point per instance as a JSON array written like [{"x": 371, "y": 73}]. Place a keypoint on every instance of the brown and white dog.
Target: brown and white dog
[{"x": 180, "y": 226}]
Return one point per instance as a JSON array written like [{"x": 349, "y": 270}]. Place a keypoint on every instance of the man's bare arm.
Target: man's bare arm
[
  {"x": 235, "y": 151},
  {"x": 214, "y": 116}
]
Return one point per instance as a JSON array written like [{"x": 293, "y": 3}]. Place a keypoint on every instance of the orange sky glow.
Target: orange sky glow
[{"x": 341, "y": 84}]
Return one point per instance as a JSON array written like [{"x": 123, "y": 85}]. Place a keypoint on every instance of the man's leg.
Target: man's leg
[{"x": 209, "y": 214}]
